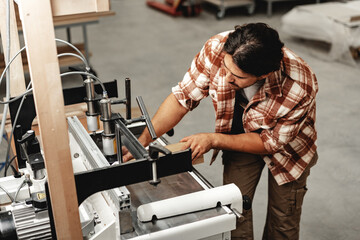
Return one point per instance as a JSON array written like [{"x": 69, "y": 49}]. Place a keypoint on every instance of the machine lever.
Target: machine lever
[
  {"x": 27, "y": 137},
  {"x": 120, "y": 101},
  {"x": 147, "y": 117}
]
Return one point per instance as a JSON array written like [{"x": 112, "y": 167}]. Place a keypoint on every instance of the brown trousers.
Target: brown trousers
[{"x": 284, "y": 202}]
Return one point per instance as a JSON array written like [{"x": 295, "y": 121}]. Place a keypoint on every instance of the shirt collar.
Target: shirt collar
[
  {"x": 289, "y": 68},
  {"x": 292, "y": 64}
]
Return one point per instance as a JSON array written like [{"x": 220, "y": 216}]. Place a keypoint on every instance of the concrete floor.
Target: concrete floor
[{"x": 155, "y": 50}]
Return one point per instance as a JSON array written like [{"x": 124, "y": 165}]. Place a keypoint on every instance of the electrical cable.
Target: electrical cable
[
  {"x": 15, "y": 171},
  {"x": 60, "y": 55},
  {"x": 87, "y": 74},
  {"x": 17, "y": 97},
  {"x": 29, "y": 90},
  {"x": 77, "y": 50},
  {"x": 21, "y": 103},
  {"x": 9, "y": 63},
  {"x": 7, "y": 193},
  {"x": 6, "y": 70},
  {"x": 8, "y": 164},
  {"x": 73, "y": 55},
  {"x": 12, "y": 132},
  {"x": 27, "y": 181},
  {"x": 19, "y": 188}
]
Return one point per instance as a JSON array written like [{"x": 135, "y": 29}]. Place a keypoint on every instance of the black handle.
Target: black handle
[
  {"x": 155, "y": 148},
  {"x": 27, "y": 137},
  {"x": 246, "y": 202}
]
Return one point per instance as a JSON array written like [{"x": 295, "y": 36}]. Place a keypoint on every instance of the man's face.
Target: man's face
[{"x": 236, "y": 77}]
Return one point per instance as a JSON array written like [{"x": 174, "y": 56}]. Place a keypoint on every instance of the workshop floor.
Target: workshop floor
[{"x": 155, "y": 50}]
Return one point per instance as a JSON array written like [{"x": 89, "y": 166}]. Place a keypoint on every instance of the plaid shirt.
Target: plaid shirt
[{"x": 283, "y": 109}]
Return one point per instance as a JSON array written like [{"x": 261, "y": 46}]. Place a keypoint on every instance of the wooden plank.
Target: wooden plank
[
  {"x": 67, "y": 7},
  {"x": 71, "y": 19},
  {"x": 176, "y": 147},
  {"x": 81, "y": 18},
  {"x": 16, "y": 69},
  {"x": 39, "y": 36},
  {"x": 102, "y": 5},
  {"x": 180, "y": 146}
]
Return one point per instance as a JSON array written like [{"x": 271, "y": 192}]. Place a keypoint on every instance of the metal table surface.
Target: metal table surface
[{"x": 172, "y": 186}]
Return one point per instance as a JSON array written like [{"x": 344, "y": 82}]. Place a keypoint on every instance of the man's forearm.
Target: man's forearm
[
  {"x": 245, "y": 142},
  {"x": 168, "y": 115}
]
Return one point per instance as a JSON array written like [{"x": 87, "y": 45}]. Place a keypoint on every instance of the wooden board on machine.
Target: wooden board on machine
[
  {"x": 176, "y": 147},
  {"x": 179, "y": 146}
]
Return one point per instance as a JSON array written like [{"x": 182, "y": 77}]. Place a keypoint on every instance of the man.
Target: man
[{"x": 264, "y": 99}]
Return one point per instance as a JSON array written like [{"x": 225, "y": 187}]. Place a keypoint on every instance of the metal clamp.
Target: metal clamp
[{"x": 154, "y": 150}]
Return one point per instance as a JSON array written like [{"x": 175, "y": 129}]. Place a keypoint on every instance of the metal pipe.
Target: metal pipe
[
  {"x": 134, "y": 146},
  {"x": 155, "y": 179},
  {"x": 105, "y": 108},
  {"x": 92, "y": 116},
  {"x": 108, "y": 136}
]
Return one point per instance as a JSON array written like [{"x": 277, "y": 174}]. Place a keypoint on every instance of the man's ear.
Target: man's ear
[{"x": 265, "y": 75}]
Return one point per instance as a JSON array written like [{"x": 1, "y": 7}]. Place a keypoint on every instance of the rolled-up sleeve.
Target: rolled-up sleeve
[{"x": 195, "y": 85}]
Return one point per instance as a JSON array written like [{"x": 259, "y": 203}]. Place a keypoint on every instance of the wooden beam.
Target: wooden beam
[
  {"x": 63, "y": 20},
  {"x": 39, "y": 35},
  {"x": 175, "y": 147},
  {"x": 66, "y": 7},
  {"x": 17, "y": 85}
]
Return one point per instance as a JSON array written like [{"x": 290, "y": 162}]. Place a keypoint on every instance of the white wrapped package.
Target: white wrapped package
[{"x": 319, "y": 22}]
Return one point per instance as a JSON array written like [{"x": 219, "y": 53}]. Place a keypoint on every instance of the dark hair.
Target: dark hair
[{"x": 255, "y": 48}]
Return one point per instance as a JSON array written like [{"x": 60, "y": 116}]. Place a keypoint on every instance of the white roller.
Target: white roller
[{"x": 227, "y": 195}]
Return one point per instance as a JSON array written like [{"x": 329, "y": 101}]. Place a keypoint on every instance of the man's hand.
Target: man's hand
[
  {"x": 126, "y": 155},
  {"x": 199, "y": 143},
  {"x": 166, "y": 117}
]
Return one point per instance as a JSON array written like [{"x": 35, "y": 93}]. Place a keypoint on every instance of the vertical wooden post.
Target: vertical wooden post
[
  {"x": 16, "y": 69},
  {"x": 44, "y": 70}
]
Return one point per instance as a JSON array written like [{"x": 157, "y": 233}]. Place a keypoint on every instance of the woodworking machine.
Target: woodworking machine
[{"x": 158, "y": 195}]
